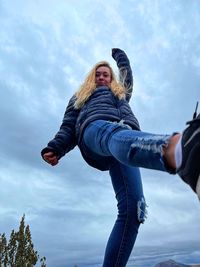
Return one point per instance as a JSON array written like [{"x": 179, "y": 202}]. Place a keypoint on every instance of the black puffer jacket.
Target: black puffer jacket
[{"x": 102, "y": 104}]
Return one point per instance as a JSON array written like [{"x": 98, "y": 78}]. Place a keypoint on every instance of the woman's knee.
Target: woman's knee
[{"x": 133, "y": 209}]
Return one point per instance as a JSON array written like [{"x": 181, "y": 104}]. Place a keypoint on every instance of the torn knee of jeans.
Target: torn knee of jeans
[
  {"x": 142, "y": 210},
  {"x": 122, "y": 124}
]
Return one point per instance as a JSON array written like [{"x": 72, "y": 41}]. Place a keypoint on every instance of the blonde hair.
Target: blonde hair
[{"x": 89, "y": 85}]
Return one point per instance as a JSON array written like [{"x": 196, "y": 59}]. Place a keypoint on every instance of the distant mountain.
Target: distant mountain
[
  {"x": 171, "y": 263},
  {"x": 180, "y": 254}
]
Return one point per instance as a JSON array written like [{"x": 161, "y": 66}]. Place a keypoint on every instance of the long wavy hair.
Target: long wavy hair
[{"x": 89, "y": 85}]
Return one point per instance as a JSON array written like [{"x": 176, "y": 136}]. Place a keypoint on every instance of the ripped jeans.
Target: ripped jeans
[{"x": 131, "y": 149}]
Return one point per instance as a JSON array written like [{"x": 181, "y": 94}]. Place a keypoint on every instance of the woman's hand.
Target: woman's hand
[
  {"x": 50, "y": 158},
  {"x": 114, "y": 50}
]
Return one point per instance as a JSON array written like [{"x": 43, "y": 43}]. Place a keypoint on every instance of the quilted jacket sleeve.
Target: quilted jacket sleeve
[
  {"x": 125, "y": 71},
  {"x": 65, "y": 139}
]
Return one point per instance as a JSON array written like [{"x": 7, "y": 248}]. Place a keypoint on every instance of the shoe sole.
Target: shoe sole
[
  {"x": 198, "y": 188},
  {"x": 191, "y": 172}
]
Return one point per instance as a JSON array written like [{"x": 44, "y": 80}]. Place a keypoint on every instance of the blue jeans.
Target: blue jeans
[{"x": 131, "y": 149}]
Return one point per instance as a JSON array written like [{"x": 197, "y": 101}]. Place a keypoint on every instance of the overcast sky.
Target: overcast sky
[{"x": 46, "y": 49}]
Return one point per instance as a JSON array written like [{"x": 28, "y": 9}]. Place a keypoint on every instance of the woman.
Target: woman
[{"x": 100, "y": 121}]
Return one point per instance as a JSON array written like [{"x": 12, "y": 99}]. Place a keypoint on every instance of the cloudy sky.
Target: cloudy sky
[{"x": 46, "y": 49}]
